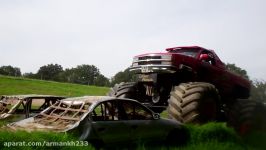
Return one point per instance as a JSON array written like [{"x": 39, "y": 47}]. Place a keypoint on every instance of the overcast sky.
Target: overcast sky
[{"x": 108, "y": 33}]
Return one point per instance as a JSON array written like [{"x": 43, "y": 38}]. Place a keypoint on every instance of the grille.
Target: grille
[
  {"x": 149, "y": 57},
  {"x": 149, "y": 63}
]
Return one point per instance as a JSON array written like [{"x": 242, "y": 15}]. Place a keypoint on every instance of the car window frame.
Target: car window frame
[
  {"x": 136, "y": 104},
  {"x": 118, "y": 102}
]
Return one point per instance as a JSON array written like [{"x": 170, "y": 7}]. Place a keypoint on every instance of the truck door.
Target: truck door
[{"x": 210, "y": 72}]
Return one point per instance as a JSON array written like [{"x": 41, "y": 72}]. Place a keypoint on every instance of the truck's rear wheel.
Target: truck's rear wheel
[
  {"x": 195, "y": 102},
  {"x": 124, "y": 90},
  {"x": 247, "y": 116}
]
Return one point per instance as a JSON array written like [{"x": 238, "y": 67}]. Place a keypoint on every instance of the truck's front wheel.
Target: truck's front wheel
[{"x": 195, "y": 102}]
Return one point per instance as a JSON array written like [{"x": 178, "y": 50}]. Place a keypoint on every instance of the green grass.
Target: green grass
[
  {"x": 164, "y": 114},
  {"x": 216, "y": 136},
  {"x": 256, "y": 140},
  {"x": 212, "y": 131},
  {"x": 15, "y": 140},
  {"x": 213, "y": 136},
  {"x": 210, "y": 136},
  {"x": 206, "y": 137},
  {"x": 13, "y": 85}
]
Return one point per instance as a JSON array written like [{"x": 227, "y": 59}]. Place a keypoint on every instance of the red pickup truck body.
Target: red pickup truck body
[{"x": 199, "y": 65}]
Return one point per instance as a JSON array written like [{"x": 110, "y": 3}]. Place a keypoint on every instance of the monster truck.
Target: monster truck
[{"x": 192, "y": 83}]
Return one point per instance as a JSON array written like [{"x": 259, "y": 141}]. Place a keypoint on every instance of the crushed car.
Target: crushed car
[
  {"x": 17, "y": 107},
  {"x": 103, "y": 120}
]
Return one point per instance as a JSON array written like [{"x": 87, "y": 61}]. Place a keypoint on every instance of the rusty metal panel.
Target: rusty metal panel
[
  {"x": 10, "y": 103},
  {"x": 61, "y": 116}
]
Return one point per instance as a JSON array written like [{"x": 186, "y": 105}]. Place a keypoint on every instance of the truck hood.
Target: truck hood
[{"x": 150, "y": 54}]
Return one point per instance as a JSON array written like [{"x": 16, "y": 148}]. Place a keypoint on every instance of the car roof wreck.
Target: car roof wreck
[
  {"x": 61, "y": 116},
  {"x": 9, "y": 104}
]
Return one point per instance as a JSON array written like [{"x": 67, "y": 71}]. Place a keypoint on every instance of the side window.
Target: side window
[
  {"x": 142, "y": 113},
  {"x": 7, "y": 104},
  {"x": 106, "y": 111},
  {"x": 208, "y": 57},
  {"x": 38, "y": 104},
  {"x": 135, "y": 111},
  {"x": 120, "y": 110}
]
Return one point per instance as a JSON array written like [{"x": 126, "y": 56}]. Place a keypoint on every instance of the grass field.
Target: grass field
[
  {"x": 206, "y": 137},
  {"x": 40, "y": 140},
  {"x": 212, "y": 136},
  {"x": 12, "y": 85}
]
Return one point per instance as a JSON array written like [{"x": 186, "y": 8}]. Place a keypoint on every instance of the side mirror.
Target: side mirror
[
  {"x": 204, "y": 57},
  {"x": 156, "y": 116}
]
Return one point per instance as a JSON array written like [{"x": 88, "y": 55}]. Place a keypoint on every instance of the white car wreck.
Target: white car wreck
[{"x": 18, "y": 107}]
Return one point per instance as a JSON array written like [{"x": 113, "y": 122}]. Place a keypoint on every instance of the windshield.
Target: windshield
[{"x": 186, "y": 52}]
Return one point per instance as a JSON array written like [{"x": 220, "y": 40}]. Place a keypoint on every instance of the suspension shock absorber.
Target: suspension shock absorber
[{"x": 151, "y": 91}]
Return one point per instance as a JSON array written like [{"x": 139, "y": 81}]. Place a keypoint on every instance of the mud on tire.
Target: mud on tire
[
  {"x": 247, "y": 116},
  {"x": 195, "y": 102}
]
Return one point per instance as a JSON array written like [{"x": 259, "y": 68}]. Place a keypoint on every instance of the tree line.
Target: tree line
[
  {"x": 90, "y": 75},
  {"x": 258, "y": 87},
  {"x": 82, "y": 74}
]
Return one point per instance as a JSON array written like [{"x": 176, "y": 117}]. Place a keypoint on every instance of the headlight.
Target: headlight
[
  {"x": 166, "y": 63},
  {"x": 134, "y": 64},
  {"x": 166, "y": 57},
  {"x": 135, "y": 59}
]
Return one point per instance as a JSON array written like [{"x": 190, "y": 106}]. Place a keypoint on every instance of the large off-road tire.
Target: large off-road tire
[
  {"x": 247, "y": 116},
  {"x": 195, "y": 102},
  {"x": 124, "y": 90}
]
